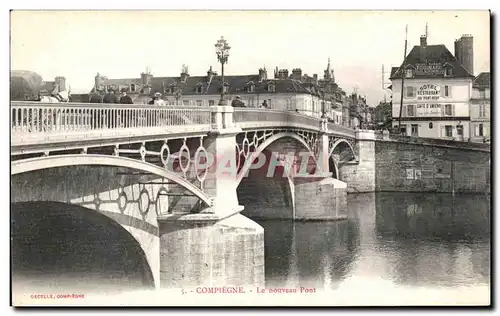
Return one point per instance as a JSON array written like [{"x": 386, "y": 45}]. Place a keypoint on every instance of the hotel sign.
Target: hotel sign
[
  {"x": 429, "y": 109},
  {"x": 429, "y": 69},
  {"x": 428, "y": 92}
]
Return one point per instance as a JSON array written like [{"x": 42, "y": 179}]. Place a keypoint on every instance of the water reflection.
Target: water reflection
[{"x": 424, "y": 240}]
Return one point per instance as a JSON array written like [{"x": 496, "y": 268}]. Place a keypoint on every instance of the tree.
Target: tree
[{"x": 383, "y": 115}]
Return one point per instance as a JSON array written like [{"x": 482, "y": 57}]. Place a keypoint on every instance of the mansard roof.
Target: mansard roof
[
  {"x": 482, "y": 80},
  {"x": 434, "y": 55}
]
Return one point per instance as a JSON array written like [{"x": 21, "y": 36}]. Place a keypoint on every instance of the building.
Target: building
[
  {"x": 436, "y": 95},
  {"x": 28, "y": 85},
  {"x": 294, "y": 92},
  {"x": 480, "y": 106},
  {"x": 383, "y": 115},
  {"x": 464, "y": 52}
]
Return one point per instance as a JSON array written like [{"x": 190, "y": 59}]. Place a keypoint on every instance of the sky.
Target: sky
[{"x": 121, "y": 44}]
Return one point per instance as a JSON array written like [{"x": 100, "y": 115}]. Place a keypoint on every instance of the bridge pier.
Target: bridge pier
[
  {"x": 219, "y": 246},
  {"x": 204, "y": 250},
  {"x": 360, "y": 175}
]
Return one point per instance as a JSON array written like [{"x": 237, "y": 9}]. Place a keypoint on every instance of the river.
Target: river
[
  {"x": 392, "y": 248},
  {"x": 407, "y": 241}
]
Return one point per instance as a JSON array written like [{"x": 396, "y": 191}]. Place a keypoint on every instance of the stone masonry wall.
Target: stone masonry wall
[
  {"x": 322, "y": 199},
  {"x": 408, "y": 167}
]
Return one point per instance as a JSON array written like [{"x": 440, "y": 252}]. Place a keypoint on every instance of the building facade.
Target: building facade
[
  {"x": 436, "y": 94},
  {"x": 480, "y": 108},
  {"x": 294, "y": 92}
]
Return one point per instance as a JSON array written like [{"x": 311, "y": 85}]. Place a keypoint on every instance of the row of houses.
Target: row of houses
[
  {"x": 441, "y": 96},
  {"x": 293, "y": 91}
]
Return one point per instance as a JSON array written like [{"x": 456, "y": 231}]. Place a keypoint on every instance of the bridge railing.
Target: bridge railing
[
  {"x": 35, "y": 118},
  {"x": 431, "y": 141},
  {"x": 256, "y": 117}
]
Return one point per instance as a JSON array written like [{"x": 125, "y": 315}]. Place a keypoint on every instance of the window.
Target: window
[
  {"x": 448, "y": 130},
  {"x": 431, "y": 125},
  {"x": 482, "y": 110},
  {"x": 409, "y": 73},
  {"x": 270, "y": 103},
  {"x": 251, "y": 101},
  {"x": 414, "y": 130},
  {"x": 199, "y": 89},
  {"x": 448, "y": 71},
  {"x": 271, "y": 87},
  {"x": 132, "y": 88},
  {"x": 447, "y": 109},
  {"x": 481, "y": 130},
  {"x": 211, "y": 102},
  {"x": 403, "y": 130},
  {"x": 411, "y": 110},
  {"x": 460, "y": 130},
  {"x": 199, "y": 102},
  {"x": 251, "y": 88},
  {"x": 410, "y": 92},
  {"x": 447, "y": 91}
]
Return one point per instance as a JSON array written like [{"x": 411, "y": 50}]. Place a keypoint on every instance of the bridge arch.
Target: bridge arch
[
  {"x": 32, "y": 164},
  {"x": 340, "y": 152},
  {"x": 254, "y": 155},
  {"x": 60, "y": 242},
  {"x": 270, "y": 196}
]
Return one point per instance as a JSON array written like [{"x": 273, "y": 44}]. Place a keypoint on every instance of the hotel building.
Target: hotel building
[{"x": 436, "y": 93}]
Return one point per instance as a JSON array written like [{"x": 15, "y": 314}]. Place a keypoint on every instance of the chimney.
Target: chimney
[
  {"x": 423, "y": 48},
  {"x": 262, "y": 74},
  {"x": 61, "y": 82},
  {"x": 297, "y": 73},
  {"x": 423, "y": 40},
  {"x": 184, "y": 73},
  {"x": 285, "y": 73},
  {"x": 276, "y": 73},
  {"x": 315, "y": 77},
  {"x": 210, "y": 74},
  {"x": 145, "y": 78}
]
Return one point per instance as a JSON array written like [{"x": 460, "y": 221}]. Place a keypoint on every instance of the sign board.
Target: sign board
[
  {"x": 428, "y": 109},
  {"x": 409, "y": 174},
  {"x": 428, "y": 92},
  {"x": 429, "y": 69}
]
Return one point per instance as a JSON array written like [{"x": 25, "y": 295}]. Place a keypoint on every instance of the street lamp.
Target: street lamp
[{"x": 222, "y": 50}]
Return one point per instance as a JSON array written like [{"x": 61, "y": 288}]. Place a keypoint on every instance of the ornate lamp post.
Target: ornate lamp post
[{"x": 222, "y": 50}]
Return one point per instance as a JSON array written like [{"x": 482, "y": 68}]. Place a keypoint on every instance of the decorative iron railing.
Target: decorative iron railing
[
  {"x": 36, "y": 117},
  {"x": 34, "y": 122}
]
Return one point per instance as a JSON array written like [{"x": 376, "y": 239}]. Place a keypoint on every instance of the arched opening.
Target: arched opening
[
  {"x": 266, "y": 194},
  {"x": 341, "y": 153},
  {"x": 63, "y": 246}
]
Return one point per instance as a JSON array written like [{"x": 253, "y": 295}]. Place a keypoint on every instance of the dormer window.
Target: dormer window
[
  {"x": 448, "y": 72},
  {"x": 132, "y": 87},
  {"x": 409, "y": 73},
  {"x": 199, "y": 89},
  {"x": 271, "y": 87},
  {"x": 251, "y": 87}
]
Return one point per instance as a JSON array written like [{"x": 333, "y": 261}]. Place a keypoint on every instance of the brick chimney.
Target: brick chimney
[
  {"x": 297, "y": 74},
  {"x": 210, "y": 74},
  {"x": 423, "y": 48},
  {"x": 61, "y": 82},
  {"x": 184, "y": 73},
  {"x": 262, "y": 74}
]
